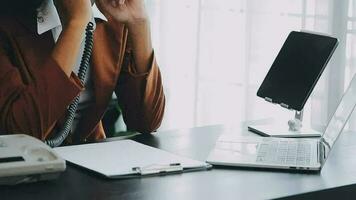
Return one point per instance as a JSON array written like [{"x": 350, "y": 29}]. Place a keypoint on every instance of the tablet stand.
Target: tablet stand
[
  {"x": 292, "y": 129},
  {"x": 303, "y": 55},
  {"x": 296, "y": 123}
]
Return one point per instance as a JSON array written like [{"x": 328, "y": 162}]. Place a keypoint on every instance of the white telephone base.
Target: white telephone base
[{"x": 25, "y": 159}]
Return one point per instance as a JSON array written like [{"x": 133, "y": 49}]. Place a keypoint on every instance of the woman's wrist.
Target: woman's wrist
[
  {"x": 137, "y": 20},
  {"x": 75, "y": 24},
  {"x": 138, "y": 26}
]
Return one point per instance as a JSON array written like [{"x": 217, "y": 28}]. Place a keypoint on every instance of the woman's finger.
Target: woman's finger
[{"x": 114, "y": 3}]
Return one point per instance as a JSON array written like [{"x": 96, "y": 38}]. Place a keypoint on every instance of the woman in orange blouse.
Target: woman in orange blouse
[{"x": 40, "y": 47}]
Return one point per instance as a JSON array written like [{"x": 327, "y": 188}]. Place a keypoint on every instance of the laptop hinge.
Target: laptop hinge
[{"x": 322, "y": 152}]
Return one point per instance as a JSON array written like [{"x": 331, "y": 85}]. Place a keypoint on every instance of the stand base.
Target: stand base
[{"x": 274, "y": 130}]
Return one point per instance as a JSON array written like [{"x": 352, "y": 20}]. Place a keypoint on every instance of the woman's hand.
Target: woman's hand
[
  {"x": 77, "y": 12},
  {"x": 133, "y": 14},
  {"x": 124, "y": 11}
]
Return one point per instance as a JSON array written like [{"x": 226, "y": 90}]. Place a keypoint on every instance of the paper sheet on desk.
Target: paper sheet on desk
[{"x": 118, "y": 158}]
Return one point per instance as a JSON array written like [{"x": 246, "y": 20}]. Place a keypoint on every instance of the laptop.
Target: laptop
[{"x": 307, "y": 154}]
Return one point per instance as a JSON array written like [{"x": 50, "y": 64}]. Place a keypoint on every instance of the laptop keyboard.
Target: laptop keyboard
[{"x": 285, "y": 153}]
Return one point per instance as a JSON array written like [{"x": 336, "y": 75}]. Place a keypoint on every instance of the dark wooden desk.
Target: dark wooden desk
[{"x": 337, "y": 179}]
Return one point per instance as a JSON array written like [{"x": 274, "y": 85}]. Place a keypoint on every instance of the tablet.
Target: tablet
[{"x": 297, "y": 68}]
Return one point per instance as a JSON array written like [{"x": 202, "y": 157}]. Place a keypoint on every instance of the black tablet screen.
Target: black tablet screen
[{"x": 297, "y": 69}]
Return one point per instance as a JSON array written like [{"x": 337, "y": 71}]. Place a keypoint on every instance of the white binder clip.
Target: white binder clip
[{"x": 158, "y": 169}]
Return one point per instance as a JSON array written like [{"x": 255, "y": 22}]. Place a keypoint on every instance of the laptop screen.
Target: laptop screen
[{"x": 341, "y": 115}]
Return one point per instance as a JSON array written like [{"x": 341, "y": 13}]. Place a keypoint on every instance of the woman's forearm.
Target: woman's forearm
[
  {"x": 66, "y": 50},
  {"x": 142, "y": 46}
]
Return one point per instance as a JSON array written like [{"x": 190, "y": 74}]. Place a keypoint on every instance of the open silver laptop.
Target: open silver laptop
[{"x": 285, "y": 153}]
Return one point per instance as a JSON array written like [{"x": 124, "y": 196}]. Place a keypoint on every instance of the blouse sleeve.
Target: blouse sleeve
[{"x": 32, "y": 108}]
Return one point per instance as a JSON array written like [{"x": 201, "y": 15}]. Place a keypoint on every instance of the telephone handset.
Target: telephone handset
[{"x": 63, "y": 133}]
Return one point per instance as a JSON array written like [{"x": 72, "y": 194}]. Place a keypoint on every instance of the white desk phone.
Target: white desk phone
[{"x": 26, "y": 159}]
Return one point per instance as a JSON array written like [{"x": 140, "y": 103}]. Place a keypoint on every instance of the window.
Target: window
[{"x": 215, "y": 53}]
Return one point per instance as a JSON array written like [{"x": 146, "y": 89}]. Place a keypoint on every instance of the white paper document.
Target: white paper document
[{"x": 127, "y": 158}]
